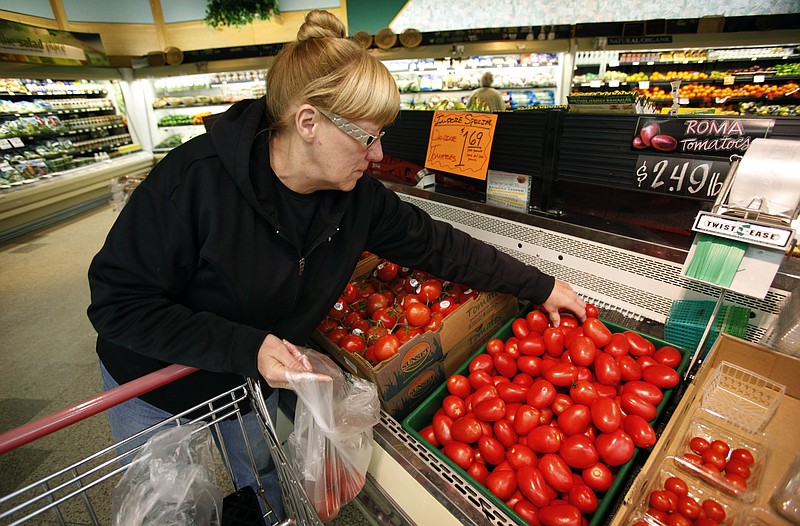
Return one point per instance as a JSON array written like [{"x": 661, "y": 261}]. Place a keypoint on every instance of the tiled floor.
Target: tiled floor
[{"x": 47, "y": 350}]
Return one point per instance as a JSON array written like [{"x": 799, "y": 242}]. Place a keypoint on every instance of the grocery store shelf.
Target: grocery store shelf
[{"x": 46, "y": 201}]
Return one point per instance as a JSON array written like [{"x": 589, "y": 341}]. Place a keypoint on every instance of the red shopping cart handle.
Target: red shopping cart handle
[{"x": 18, "y": 437}]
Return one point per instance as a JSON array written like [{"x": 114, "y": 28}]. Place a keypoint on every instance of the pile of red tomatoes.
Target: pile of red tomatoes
[
  {"x": 545, "y": 418},
  {"x": 376, "y": 315}
]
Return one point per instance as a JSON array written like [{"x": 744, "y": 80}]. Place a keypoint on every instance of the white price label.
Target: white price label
[
  {"x": 5, "y": 167},
  {"x": 727, "y": 80},
  {"x": 683, "y": 100},
  {"x": 16, "y": 142},
  {"x": 4, "y": 144},
  {"x": 644, "y": 84},
  {"x": 758, "y": 78},
  {"x": 595, "y": 83},
  {"x": 613, "y": 83}
]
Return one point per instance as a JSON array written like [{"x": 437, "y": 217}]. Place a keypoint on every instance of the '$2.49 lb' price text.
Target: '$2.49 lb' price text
[{"x": 690, "y": 177}]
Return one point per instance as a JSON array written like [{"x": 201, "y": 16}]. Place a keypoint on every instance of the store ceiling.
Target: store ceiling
[{"x": 138, "y": 11}]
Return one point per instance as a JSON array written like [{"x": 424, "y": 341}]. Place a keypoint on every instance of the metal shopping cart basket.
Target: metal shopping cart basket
[{"x": 65, "y": 493}]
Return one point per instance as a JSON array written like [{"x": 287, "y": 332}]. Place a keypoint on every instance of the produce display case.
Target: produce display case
[{"x": 423, "y": 414}]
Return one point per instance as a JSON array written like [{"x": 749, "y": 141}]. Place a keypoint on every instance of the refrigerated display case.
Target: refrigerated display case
[{"x": 63, "y": 137}]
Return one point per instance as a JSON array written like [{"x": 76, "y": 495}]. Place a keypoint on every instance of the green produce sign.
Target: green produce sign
[{"x": 24, "y": 43}]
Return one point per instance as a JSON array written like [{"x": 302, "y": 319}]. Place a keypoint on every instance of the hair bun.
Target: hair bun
[{"x": 320, "y": 24}]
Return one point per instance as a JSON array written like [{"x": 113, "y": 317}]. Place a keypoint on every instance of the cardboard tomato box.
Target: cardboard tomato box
[
  {"x": 407, "y": 377},
  {"x": 779, "y": 434}
]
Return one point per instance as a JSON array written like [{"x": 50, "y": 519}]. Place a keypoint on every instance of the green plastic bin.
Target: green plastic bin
[{"x": 423, "y": 415}]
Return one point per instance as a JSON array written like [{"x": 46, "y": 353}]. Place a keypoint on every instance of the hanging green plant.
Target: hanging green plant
[{"x": 238, "y": 13}]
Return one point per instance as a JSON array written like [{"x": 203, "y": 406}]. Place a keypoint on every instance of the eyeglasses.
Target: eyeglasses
[{"x": 357, "y": 133}]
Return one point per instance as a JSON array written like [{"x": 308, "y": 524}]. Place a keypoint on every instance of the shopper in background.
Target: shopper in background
[
  {"x": 487, "y": 94},
  {"x": 241, "y": 240}
]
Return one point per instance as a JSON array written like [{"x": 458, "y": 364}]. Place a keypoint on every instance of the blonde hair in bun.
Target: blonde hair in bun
[{"x": 326, "y": 69}]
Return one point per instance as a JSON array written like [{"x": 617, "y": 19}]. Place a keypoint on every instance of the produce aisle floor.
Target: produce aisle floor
[{"x": 48, "y": 357}]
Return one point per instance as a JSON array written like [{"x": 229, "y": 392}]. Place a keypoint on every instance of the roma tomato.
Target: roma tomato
[
  {"x": 630, "y": 370},
  {"x": 598, "y": 477},
  {"x": 454, "y": 406},
  {"x": 512, "y": 392},
  {"x": 520, "y": 328},
  {"x": 591, "y": 311},
  {"x": 502, "y": 484},
  {"x": 520, "y": 455},
  {"x": 492, "y": 451},
  {"x": 615, "y": 448},
  {"x": 490, "y": 410},
  {"x": 582, "y": 350},
  {"x": 578, "y": 452},
  {"x": 460, "y": 453},
  {"x": 743, "y": 455},
  {"x": 427, "y": 433},
  {"x": 532, "y": 345},
  {"x": 553, "y": 341},
  {"x": 639, "y": 345},
  {"x": 640, "y": 431},
  {"x": 458, "y": 385},
  {"x": 526, "y": 419},
  {"x": 583, "y": 392},
  {"x": 495, "y": 346},
  {"x": 633, "y": 404},
  {"x": 714, "y": 510},
  {"x": 442, "y": 428},
  {"x": 466, "y": 429},
  {"x": 644, "y": 390},
  {"x": 504, "y": 432},
  {"x": 677, "y": 486},
  {"x": 574, "y": 419},
  {"x": 582, "y": 497},
  {"x": 560, "y": 515},
  {"x": 618, "y": 346},
  {"x": 532, "y": 484},
  {"x": 556, "y": 472},
  {"x": 597, "y": 331},
  {"x": 478, "y": 379},
  {"x": 606, "y": 369},
  {"x": 537, "y": 321},
  {"x": 661, "y": 376},
  {"x": 527, "y": 511},
  {"x": 669, "y": 356},
  {"x": 479, "y": 472},
  {"x": 562, "y": 374},
  {"x": 541, "y": 394},
  {"x": 529, "y": 364},
  {"x": 606, "y": 415},
  {"x": 482, "y": 362},
  {"x": 505, "y": 364},
  {"x": 544, "y": 439}
]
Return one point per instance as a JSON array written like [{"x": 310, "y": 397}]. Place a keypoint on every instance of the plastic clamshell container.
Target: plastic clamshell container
[
  {"x": 757, "y": 517},
  {"x": 707, "y": 425},
  {"x": 697, "y": 490},
  {"x": 422, "y": 416},
  {"x": 745, "y": 398}
]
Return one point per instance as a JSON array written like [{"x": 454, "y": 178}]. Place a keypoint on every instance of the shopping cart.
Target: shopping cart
[{"x": 65, "y": 493}]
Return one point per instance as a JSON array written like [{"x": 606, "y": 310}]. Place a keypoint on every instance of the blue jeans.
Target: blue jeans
[{"x": 131, "y": 417}]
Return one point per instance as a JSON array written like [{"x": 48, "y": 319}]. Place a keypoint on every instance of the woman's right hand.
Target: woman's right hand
[{"x": 276, "y": 357}]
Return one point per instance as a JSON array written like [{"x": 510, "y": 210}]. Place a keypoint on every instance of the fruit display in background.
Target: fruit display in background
[{"x": 545, "y": 418}]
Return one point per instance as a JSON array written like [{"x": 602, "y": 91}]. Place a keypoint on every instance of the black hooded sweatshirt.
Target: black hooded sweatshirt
[{"x": 202, "y": 262}]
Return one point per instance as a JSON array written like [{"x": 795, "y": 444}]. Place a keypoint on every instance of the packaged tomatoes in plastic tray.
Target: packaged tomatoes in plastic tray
[
  {"x": 723, "y": 455},
  {"x": 673, "y": 496}
]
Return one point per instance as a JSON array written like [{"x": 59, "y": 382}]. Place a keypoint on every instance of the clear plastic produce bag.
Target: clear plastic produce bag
[
  {"x": 170, "y": 482},
  {"x": 331, "y": 445}
]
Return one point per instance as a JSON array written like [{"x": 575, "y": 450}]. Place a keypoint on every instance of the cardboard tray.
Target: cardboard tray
[
  {"x": 422, "y": 416},
  {"x": 780, "y": 430}
]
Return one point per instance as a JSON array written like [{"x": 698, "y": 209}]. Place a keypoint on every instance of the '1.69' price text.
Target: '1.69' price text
[{"x": 702, "y": 179}]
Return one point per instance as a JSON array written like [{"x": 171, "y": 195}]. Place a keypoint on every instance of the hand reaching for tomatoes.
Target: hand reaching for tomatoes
[
  {"x": 563, "y": 298},
  {"x": 276, "y": 357}
]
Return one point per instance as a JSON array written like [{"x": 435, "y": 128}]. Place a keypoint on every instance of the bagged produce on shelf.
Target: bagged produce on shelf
[{"x": 331, "y": 444}]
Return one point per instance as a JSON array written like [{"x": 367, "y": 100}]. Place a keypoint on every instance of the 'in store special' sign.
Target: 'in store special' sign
[{"x": 460, "y": 143}]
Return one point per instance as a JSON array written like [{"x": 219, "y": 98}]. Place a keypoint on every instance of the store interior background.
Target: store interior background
[{"x": 38, "y": 377}]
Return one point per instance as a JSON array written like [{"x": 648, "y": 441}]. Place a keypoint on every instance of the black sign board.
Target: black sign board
[
  {"x": 622, "y": 41},
  {"x": 689, "y": 177},
  {"x": 700, "y": 135}
]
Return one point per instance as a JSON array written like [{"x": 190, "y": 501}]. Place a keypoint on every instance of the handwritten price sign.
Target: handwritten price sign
[
  {"x": 460, "y": 143},
  {"x": 700, "y": 178}
]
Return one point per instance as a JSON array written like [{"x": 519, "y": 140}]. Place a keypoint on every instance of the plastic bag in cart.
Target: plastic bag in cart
[
  {"x": 331, "y": 445},
  {"x": 170, "y": 482}
]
